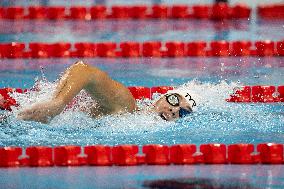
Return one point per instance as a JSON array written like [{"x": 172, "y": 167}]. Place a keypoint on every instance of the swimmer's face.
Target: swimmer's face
[{"x": 172, "y": 106}]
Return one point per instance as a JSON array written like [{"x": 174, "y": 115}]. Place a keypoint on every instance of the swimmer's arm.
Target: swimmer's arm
[{"x": 111, "y": 96}]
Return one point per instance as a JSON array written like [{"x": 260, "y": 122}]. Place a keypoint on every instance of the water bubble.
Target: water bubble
[
  {"x": 236, "y": 89},
  {"x": 276, "y": 94},
  {"x": 213, "y": 120}
]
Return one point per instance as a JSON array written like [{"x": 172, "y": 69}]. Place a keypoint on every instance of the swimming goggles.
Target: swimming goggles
[{"x": 173, "y": 100}]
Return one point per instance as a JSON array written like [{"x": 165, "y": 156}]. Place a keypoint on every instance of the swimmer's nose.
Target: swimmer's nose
[
  {"x": 174, "y": 111},
  {"x": 170, "y": 113}
]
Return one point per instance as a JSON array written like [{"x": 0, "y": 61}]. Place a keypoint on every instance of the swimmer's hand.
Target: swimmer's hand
[
  {"x": 2, "y": 101},
  {"x": 42, "y": 112}
]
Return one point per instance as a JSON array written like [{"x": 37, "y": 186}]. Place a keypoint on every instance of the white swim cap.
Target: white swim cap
[{"x": 191, "y": 98}]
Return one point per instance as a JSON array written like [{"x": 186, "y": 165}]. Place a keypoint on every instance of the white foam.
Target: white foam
[
  {"x": 214, "y": 120},
  {"x": 208, "y": 95},
  {"x": 211, "y": 100}
]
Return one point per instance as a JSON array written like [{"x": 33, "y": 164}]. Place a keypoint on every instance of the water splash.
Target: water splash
[{"x": 214, "y": 120}]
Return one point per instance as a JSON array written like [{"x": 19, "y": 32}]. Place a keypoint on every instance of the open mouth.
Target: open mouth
[{"x": 163, "y": 117}]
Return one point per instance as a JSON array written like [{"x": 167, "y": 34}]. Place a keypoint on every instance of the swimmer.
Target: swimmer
[
  {"x": 111, "y": 96},
  {"x": 3, "y": 117}
]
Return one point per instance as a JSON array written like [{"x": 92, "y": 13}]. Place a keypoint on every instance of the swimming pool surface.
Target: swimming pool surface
[
  {"x": 191, "y": 176},
  {"x": 215, "y": 120}
]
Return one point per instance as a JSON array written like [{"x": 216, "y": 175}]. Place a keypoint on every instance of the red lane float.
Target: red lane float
[
  {"x": 138, "y": 12},
  {"x": 270, "y": 153},
  {"x": 221, "y": 11},
  {"x": 182, "y": 154},
  {"x": 146, "y": 92},
  {"x": 273, "y": 11},
  {"x": 67, "y": 156},
  {"x": 60, "y": 50},
  {"x": 217, "y": 11},
  {"x": 85, "y": 50},
  {"x": 175, "y": 49},
  {"x": 9, "y": 156},
  {"x": 39, "y": 50},
  {"x": 140, "y": 92},
  {"x": 246, "y": 94},
  {"x": 56, "y": 13},
  {"x": 264, "y": 48},
  {"x": 79, "y": 13},
  {"x": 156, "y": 154},
  {"x": 146, "y": 49},
  {"x": 1, "y": 12},
  {"x": 119, "y": 12},
  {"x": 241, "y": 154},
  {"x": 220, "y": 48},
  {"x": 241, "y": 11},
  {"x": 36, "y": 12},
  {"x": 161, "y": 89},
  {"x": 125, "y": 155},
  {"x": 196, "y": 48},
  {"x": 153, "y": 154},
  {"x": 160, "y": 11},
  {"x": 241, "y": 95},
  {"x": 14, "y": 13},
  {"x": 152, "y": 49},
  {"x": 201, "y": 11},
  {"x": 98, "y": 12},
  {"x": 281, "y": 93},
  {"x": 12, "y": 50},
  {"x": 214, "y": 153},
  {"x": 241, "y": 48},
  {"x": 99, "y": 155},
  {"x": 179, "y": 11},
  {"x": 7, "y": 102},
  {"x": 264, "y": 94},
  {"x": 130, "y": 49},
  {"x": 106, "y": 49},
  {"x": 280, "y": 48},
  {"x": 39, "y": 156}
]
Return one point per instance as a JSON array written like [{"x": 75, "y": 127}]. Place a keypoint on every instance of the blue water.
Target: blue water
[
  {"x": 212, "y": 77},
  {"x": 145, "y": 30},
  {"x": 238, "y": 176},
  {"x": 215, "y": 120},
  {"x": 152, "y": 71}
]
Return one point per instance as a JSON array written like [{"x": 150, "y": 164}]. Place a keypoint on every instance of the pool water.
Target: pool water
[
  {"x": 214, "y": 120},
  {"x": 143, "y": 177}
]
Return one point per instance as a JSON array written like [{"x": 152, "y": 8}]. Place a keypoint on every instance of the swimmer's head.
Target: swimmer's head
[{"x": 175, "y": 104}]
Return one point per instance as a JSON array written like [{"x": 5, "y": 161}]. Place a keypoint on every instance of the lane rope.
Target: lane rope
[
  {"x": 218, "y": 11},
  {"x": 272, "y": 11},
  {"x": 245, "y": 94},
  {"x": 153, "y": 154},
  {"x": 132, "y": 49}
]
